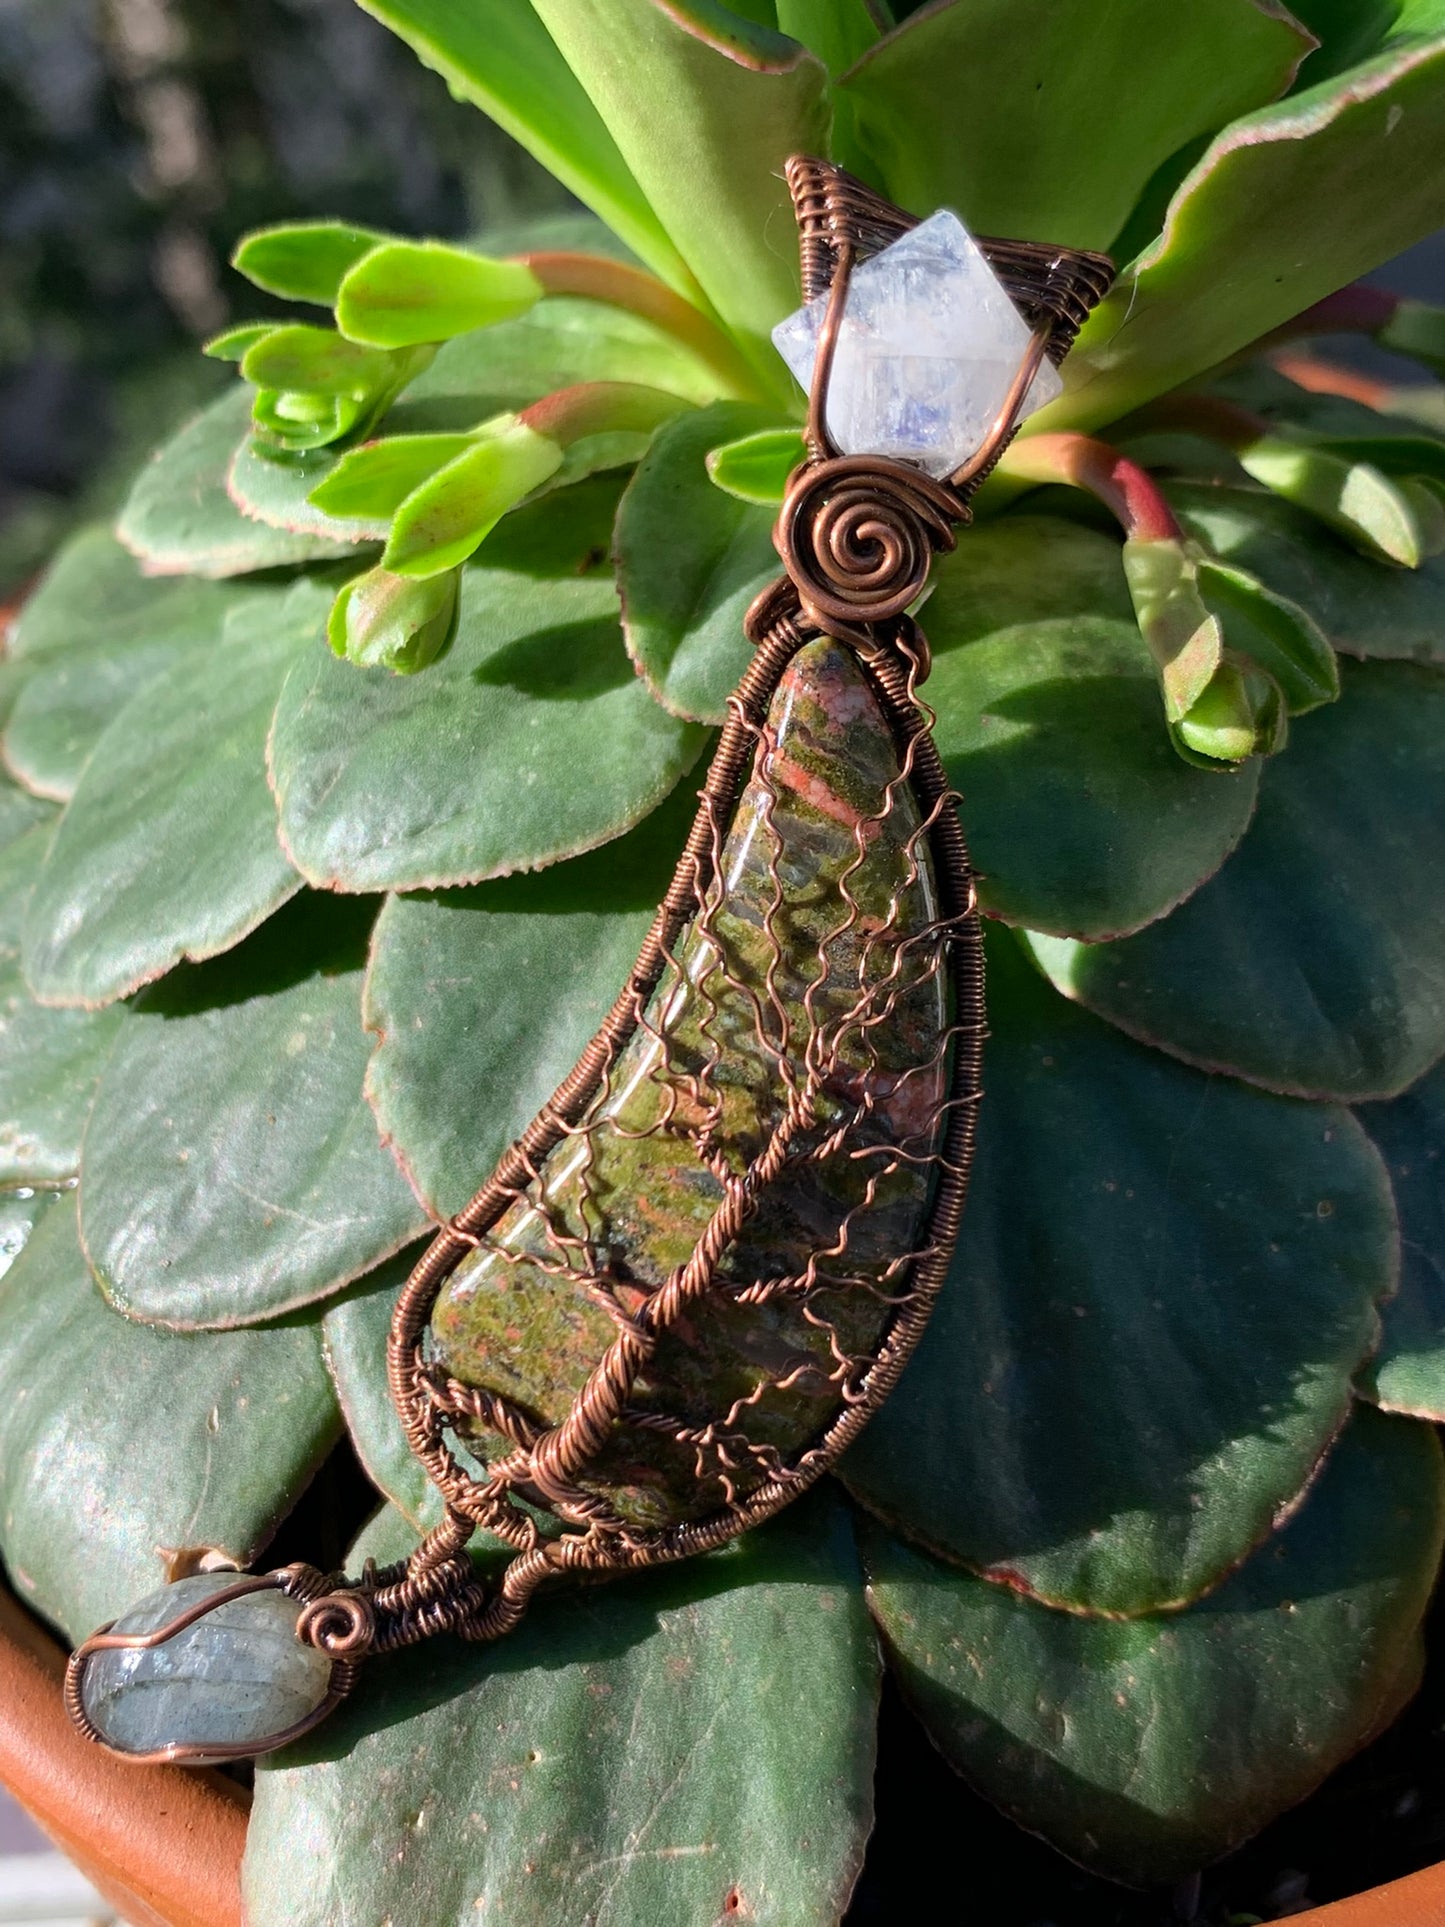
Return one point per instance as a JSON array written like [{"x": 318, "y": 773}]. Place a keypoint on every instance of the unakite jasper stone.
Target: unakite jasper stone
[
  {"x": 237, "y": 1676},
  {"x": 632, "y": 1195}
]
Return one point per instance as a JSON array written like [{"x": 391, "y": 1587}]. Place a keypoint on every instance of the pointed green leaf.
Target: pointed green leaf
[
  {"x": 631, "y": 1754},
  {"x": 1277, "y": 634},
  {"x": 1148, "y": 1749},
  {"x": 530, "y": 740},
  {"x": 373, "y": 481},
  {"x": 1297, "y": 199},
  {"x": 231, "y": 1169},
  {"x": 1310, "y": 963},
  {"x": 168, "y": 847},
  {"x": 1045, "y": 159},
  {"x": 234, "y": 344},
  {"x": 689, "y": 561},
  {"x": 180, "y": 520},
  {"x": 49, "y": 1059},
  {"x": 756, "y": 468},
  {"x": 498, "y": 55},
  {"x": 314, "y": 361},
  {"x": 1352, "y": 497},
  {"x": 448, "y": 516},
  {"x": 1408, "y": 1373},
  {"x": 1126, "y": 1386},
  {"x": 837, "y": 31},
  {"x": 1184, "y": 638},
  {"x": 122, "y": 1448},
  {"x": 94, "y": 634},
  {"x": 706, "y": 108},
  {"x": 543, "y": 957},
  {"x": 1079, "y": 813},
  {"x": 406, "y": 292},
  {"x": 1363, "y": 607},
  {"x": 303, "y": 260}
]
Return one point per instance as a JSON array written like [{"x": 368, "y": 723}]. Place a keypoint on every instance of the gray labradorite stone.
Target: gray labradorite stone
[{"x": 238, "y": 1676}]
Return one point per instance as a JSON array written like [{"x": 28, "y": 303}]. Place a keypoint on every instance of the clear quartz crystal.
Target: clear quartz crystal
[
  {"x": 929, "y": 345},
  {"x": 237, "y": 1676}
]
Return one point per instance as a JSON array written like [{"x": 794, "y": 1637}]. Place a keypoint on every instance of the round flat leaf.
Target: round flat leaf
[
  {"x": 564, "y": 341},
  {"x": 180, "y": 519},
  {"x": 1028, "y": 78},
  {"x": 1311, "y": 963},
  {"x": 1147, "y": 1749},
  {"x": 49, "y": 1059},
  {"x": 277, "y": 492},
  {"x": 1408, "y": 1372},
  {"x": 124, "y": 1451},
  {"x": 529, "y": 741},
  {"x": 689, "y": 1745},
  {"x": 690, "y": 558},
  {"x": 1164, "y": 1285},
  {"x": 106, "y": 633},
  {"x": 1080, "y": 815},
  {"x": 231, "y": 1168},
  {"x": 168, "y": 847},
  {"x": 483, "y": 999},
  {"x": 1365, "y": 608},
  {"x": 354, "y": 1330}
]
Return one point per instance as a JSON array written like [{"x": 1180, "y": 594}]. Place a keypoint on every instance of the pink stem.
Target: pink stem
[
  {"x": 621, "y": 286},
  {"x": 1125, "y": 488},
  {"x": 594, "y": 407}
]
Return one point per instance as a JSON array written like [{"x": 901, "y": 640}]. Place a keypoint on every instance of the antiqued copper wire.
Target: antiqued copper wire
[{"x": 857, "y": 536}]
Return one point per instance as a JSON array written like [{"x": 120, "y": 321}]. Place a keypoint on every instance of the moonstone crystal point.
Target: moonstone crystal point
[
  {"x": 929, "y": 344},
  {"x": 236, "y": 1677}
]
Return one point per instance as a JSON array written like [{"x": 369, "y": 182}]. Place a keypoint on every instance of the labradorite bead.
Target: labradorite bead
[{"x": 237, "y": 1676}]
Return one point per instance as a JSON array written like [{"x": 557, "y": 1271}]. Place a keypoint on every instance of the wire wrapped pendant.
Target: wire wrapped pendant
[{"x": 687, "y": 1287}]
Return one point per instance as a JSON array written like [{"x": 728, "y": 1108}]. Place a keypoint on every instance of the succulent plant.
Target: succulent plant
[{"x": 348, "y": 769}]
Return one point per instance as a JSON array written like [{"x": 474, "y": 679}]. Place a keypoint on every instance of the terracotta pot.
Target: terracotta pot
[{"x": 164, "y": 1844}]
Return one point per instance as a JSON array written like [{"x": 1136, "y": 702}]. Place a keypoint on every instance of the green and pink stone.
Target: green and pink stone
[{"x": 825, "y": 876}]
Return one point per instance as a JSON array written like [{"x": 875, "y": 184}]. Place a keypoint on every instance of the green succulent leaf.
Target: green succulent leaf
[
  {"x": 696, "y": 95},
  {"x": 544, "y": 956},
  {"x": 233, "y": 344},
  {"x": 1376, "y": 513},
  {"x": 689, "y": 561},
  {"x": 49, "y": 1059},
  {"x": 1147, "y": 1749},
  {"x": 651, "y": 1726},
  {"x": 1079, "y": 814},
  {"x": 94, "y": 634},
  {"x": 373, "y": 481},
  {"x": 499, "y": 55},
  {"x": 394, "y": 622},
  {"x": 1408, "y": 1372},
  {"x": 1309, "y": 964},
  {"x": 1127, "y": 1385},
  {"x": 529, "y": 741},
  {"x": 168, "y": 849},
  {"x": 404, "y": 293},
  {"x": 279, "y": 492},
  {"x": 1028, "y": 78},
  {"x": 179, "y": 518},
  {"x": 231, "y": 1170},
  {"x": 156, "y": 1448},
  {"x": 1362, "y": 607},
  {"x": 1417, "y": 329},
  {"x": 448, "y": 516},
  {"x": 1270, "y": 630},
  {"x": 837, "y": 31},
  {"x": 354, "y": 1329},
  {"x": 303, "y": 260},
  {"x": 1297, "y": 200},
  {"x": 756, "y": 468}
]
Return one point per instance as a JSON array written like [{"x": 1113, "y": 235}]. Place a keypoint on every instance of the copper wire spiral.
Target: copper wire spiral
[
  {"x": 858, "y": 534},
  {"x": 339, "y": 1624}
]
